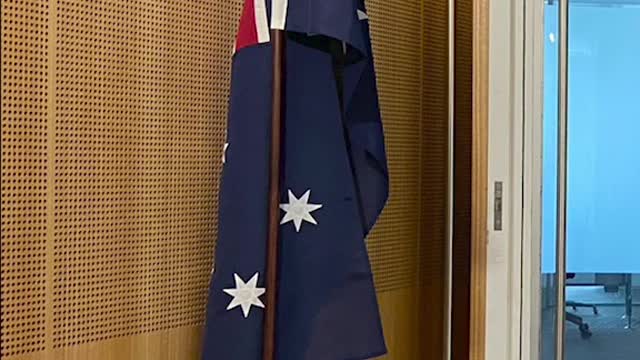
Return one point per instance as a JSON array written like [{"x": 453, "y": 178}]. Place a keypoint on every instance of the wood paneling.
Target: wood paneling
[
  {"x": 399, "y": 309},
  {"x": 25, "y": 89},
  {"x": 480, "y": 177},
  {"x": 393, "y": 243},
  {"x": 407, "y": 246},
  {"x": 173, "y": 344},
  {"x": 432, "y": 246},
  {"x": 113, "y": 121}
]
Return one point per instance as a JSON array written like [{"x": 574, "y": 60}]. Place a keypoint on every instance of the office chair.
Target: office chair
[{"x": 585, "y": 331}]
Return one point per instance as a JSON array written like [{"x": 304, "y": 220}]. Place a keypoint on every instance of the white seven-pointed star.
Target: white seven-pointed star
[
  {"x": 244, "y": 294},
  {"x": 224, "y": 153},
  {"x": 298, "y": 210}
]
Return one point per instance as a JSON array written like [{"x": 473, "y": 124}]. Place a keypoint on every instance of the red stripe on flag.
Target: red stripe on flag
[{"x": 247, "y": 34}]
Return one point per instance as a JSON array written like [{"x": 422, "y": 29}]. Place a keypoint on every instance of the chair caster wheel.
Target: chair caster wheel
[{"x": 585, "y": 332}]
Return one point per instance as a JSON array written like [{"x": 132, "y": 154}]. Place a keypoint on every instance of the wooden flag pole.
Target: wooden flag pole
[{"x": 278, "y": 39}]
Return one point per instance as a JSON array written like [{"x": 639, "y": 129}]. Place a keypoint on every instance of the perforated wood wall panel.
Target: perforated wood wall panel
[
  {"x": 407, "y": 246},
  {"x": 393, "y": 244},
  {"x": 24, "y": 175},
  {"x": 137, "y": 157},
  {"x": 113, "y": 119},
  {"x": 434, "y": 181}
]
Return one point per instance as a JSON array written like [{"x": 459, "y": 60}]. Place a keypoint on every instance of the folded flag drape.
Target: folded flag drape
[{"x": 334, "y": 184}]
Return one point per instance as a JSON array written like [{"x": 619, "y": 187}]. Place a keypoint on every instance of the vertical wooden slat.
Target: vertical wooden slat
[
  {"x": 462, "y": 179},
  {"x": 51, "y": 174},
  {"x": 480, "y": 180}
]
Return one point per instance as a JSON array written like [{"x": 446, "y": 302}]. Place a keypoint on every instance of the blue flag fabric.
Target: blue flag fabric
[{"x": 334, "y": 184}]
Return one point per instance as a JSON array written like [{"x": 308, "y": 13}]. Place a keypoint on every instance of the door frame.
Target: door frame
[
  {"x": 504, "y": 252},
  {"x": 533, "y": 109},
  {"x": 507, "y": 134},
  {"x": 514, "y": 160}
]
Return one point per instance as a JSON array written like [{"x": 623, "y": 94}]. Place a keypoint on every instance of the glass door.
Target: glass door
[{"x": 590, "y": 286}]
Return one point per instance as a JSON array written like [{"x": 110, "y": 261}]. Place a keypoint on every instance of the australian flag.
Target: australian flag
[{"x": 334, "y": 184}]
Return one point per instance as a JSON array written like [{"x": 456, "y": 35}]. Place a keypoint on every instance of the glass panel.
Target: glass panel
[
  {"x": 549, "y": 182},
  {"x": 603, "y": 192},
  {"x": 603, "y": 196}
]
